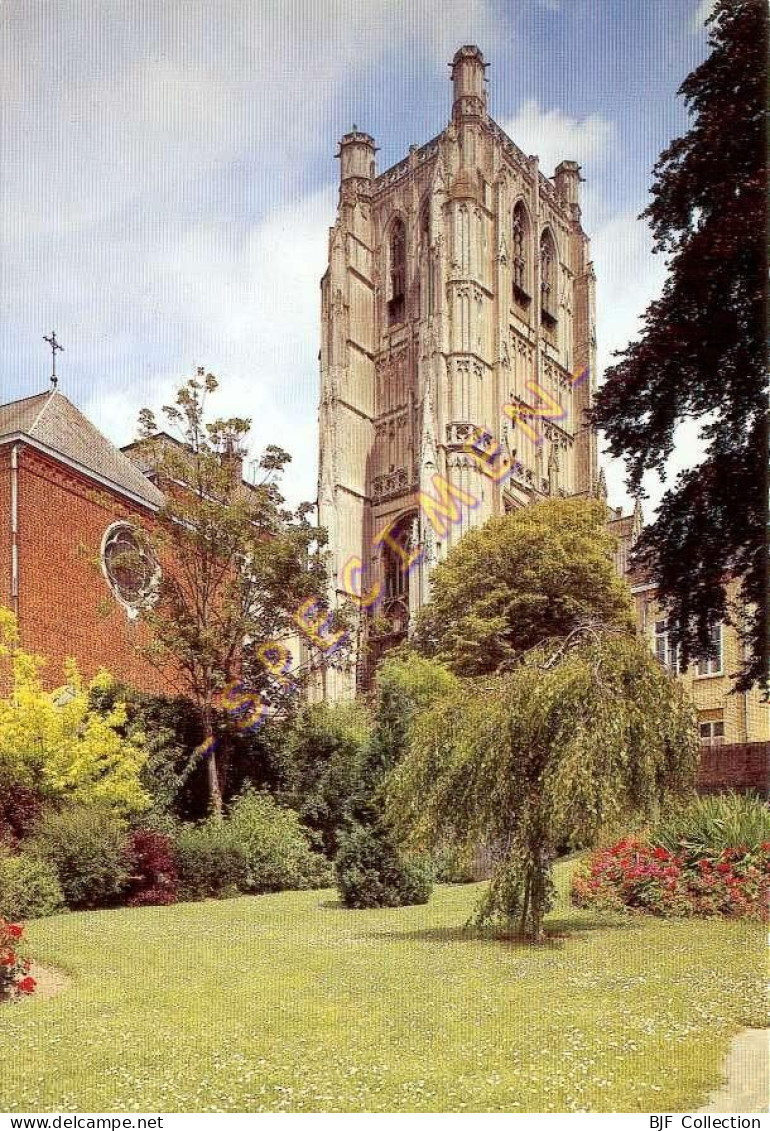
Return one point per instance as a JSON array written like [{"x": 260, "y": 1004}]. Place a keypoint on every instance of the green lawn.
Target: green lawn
[{"x": 288, "y": 1002}]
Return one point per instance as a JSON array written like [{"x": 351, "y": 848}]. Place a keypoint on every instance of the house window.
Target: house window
[
  {"x": 128, "y": 565},
  {"x": 711, "y": 662},
  {"x": 666, "y": 651},
  {"x": 396, "y": 301},
  {"x": 712, "y": 732}
]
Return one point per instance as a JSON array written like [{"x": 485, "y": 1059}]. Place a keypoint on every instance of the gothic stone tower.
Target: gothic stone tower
[{"x": 458, "y": 304}]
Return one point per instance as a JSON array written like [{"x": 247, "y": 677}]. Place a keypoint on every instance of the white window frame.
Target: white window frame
[
  {"x": 707, "y": 732},
  {"x": 668, "y": 655},
  {"x": 704, "y": 668}
]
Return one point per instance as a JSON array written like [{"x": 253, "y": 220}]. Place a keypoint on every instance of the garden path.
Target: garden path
[{"x": 747, "y": 1088}]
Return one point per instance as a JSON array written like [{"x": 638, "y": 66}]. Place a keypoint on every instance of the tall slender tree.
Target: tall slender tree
[
  {"x": 235, "y": 568},
  {"x": 702, "y": 352}
]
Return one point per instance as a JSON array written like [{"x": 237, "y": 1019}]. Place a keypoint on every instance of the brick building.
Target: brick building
[
  {"x": 734, "y": 726},
  {"x": 69, "y": 501}
]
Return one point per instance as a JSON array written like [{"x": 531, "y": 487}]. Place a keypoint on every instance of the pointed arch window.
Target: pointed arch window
[
  {"x": 519, "y": 242},
  {"x": 397, "y": 559},
  {"x": 397, "y": 257},
  {"x": 426, "y": 282},
  {"x": 548, "y": 279},
  {"x": 396, "y": 554}
]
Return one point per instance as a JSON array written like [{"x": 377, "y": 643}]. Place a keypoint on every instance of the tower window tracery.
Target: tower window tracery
[
  {"x": 548, "y": 279},
  {"x": 397, "y": 252},
  {"x": 520, "y": 236}
]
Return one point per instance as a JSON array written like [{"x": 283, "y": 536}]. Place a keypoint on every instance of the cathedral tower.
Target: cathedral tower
[{"x": 457, "y": 356}]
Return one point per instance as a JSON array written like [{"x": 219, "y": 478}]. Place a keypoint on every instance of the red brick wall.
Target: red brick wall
[
  {"x": 744, "y": 766},
  {"x": 66, "y": 607},
  {"x": 5, "y": 526}
]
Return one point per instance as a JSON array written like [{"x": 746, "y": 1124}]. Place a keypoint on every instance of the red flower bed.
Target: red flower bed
[
  {"x": 644, "y": 877},
  {"x": 14, "y": 968}
]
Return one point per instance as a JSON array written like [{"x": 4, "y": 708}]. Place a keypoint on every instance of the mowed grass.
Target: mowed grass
[{"x": 288, "y": 1002}]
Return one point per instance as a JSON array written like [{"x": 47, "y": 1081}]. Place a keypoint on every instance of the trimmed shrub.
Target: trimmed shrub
[
  {"x": 708, "y": 826},
  {"x": 154, "y": 875},
  {"x": 371, "y": 873},
  {"x": 29, "y": 888},
  {"x": 275, "y": 846},
  {"x": 639, "y": 876},
  {"x": 86, "y": 844},
  {"x": 211, "y": 861}
]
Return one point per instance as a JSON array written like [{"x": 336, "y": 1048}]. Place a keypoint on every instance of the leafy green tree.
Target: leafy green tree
[
  {"x": 702, "y": 353},
  {"x": 323, "y": 748},
  {"x": 584, "y": 733},
  {"x": 533, "y": 574},
  {"x": 236, "y": 567}
]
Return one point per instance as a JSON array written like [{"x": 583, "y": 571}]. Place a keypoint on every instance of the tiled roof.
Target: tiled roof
[{"x": 53, "y": 421}]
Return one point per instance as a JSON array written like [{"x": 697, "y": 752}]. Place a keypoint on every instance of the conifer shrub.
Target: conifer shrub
[{"x": 371, "y": 872}]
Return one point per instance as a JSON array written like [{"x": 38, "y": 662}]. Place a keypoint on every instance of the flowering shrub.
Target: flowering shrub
[
  {"x": 14, "y": 968},
  {"x": 641, "y": 876},
  {"x": 154, "y": 874}
]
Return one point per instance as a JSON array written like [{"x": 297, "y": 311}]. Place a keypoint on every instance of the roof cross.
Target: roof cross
[{"x": 55, "y": 347}]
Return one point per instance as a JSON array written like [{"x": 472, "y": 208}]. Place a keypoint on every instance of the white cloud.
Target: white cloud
[
  {"x": 555, "y": 136},
  {"x": 702, "y": 13},
  {"x": 629, "y": 277},
  {"x": 251, "y": 313},
  {"x": 154, "y": 199}
]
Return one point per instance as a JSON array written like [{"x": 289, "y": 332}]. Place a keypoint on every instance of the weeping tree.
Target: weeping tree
[{"x": 584, "y": 733}]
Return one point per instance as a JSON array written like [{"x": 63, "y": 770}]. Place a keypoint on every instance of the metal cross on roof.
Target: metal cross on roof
[{"x": 55, "y": 347}]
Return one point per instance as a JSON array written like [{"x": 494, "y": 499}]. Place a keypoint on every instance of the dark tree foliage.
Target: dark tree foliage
[
  {"x": 174, "y": 776},
  {"x": 702, "y": 352}
]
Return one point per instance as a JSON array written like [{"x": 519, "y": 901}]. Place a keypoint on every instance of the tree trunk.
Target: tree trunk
[
  {"x": 525, "y": 905},
  {"x": 538, "y": 894},
  {"x": 212, "y": 771},
  {"x": 215, "y": 793}
]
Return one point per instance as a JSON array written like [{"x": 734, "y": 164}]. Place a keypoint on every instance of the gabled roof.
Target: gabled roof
[{"x": 52, "y": 423}]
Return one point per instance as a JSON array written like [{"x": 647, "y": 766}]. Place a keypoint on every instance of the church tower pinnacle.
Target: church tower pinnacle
[
  {"x": 457, "y": 305},
  {"x": 469, "y": 83}
]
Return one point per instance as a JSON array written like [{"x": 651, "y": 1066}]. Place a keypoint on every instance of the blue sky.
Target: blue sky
[{"x": 168, "y": 176}]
